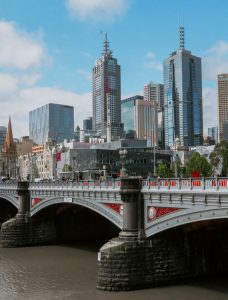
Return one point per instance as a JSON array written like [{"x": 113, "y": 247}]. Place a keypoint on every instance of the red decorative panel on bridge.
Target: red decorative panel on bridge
[
  {"x": 156, "y": 212},
  {"x": 117, "y": 207},
  {"x": 36, "y": 201}
]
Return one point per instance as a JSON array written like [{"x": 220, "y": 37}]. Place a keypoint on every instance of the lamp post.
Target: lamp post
[{"x": 123, "y": 154}]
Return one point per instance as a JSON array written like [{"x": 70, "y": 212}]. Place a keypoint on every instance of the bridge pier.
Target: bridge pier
[
  {"x": 131, "y": 261},
  {"x": 22, "y": 230},
  {"x": 123, "y": 261}
]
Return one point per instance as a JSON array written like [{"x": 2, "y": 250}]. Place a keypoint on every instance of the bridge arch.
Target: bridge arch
[
  {"x": 11, "y": 199},
  {"x": 185, "y": 216},
  {"x": 97, "y": 207}
]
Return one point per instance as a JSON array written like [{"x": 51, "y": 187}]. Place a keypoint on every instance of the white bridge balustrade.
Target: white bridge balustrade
[
  {"x": 186, "y": 184},
  {"x": 166, "y": 202}
]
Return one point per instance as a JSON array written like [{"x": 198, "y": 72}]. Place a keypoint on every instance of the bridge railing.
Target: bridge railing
[
  {"x": 82, "y": 184},
  {"x": 220, "y": 183}
]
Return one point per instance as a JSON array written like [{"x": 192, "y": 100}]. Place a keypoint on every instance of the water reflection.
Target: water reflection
[{"x": 70, "y": 272}]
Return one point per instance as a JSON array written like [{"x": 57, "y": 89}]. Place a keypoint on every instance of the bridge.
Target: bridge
[{"x": 141, "y": 209}]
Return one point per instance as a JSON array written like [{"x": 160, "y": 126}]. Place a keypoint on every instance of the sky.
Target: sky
[{"x": 48, "y": 50}]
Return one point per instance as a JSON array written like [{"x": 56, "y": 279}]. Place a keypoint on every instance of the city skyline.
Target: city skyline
[{"x": 48, "y": 57}]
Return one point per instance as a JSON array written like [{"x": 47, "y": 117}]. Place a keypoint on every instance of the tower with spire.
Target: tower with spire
[
  {"x": 107, "y": 95},
  {"x": 9, "y": 154},
  {"x": 183, "y": 115}
]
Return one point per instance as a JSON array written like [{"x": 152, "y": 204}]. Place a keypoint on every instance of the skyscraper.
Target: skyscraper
[
  {"x": 154, "y": 92},
  {"x": 107, "y": 95},
  {"x": 212, "y": 133},
  {"x": 183, "y": 97},
  {"x": 222, "y": 106},
  {"x": 87, "y": 124},
  {"x": 51, "y": 121},
  {"x": 146, "y": 122},
  {"x": 128, "y": 115}
]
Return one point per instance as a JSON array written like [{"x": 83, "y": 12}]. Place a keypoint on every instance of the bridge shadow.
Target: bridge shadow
[
  {"x": 213, "y": 283},
  {"x": 77, "y": 226}
]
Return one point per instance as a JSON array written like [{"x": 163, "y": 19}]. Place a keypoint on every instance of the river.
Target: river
[{"x": 70, "y": 272}]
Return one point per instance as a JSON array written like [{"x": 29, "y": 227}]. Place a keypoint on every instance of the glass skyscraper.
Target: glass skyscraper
[
  {"x": 106, "y": 95},
  {"x": 127, "y": 115},
  {"x": 51, "y": 122},
  {"x": 88, "y": 124},
  {"x": 183, "y": 97}
]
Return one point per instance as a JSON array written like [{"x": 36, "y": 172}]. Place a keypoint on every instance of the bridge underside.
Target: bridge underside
[
  {"x": 202, "y": 245},
  {"x": 74, "y": 222},
  {"x": 7, "y": 210}
]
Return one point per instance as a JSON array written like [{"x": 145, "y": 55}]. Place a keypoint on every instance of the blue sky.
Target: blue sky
[{"x": 48, "y": 49}]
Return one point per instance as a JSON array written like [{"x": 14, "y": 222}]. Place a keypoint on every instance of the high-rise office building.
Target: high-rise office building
[
  {"x": 183, "y": 114},
  {"x": 51, "y": 122},
  {"x": 88, "y": 124},
  {"x": 128, "y": 115},
  {"x": 222, "y": 86},
  {"x": 212, "y": 133},
  {"x": 154, "y": 92},
  {"x": 107, "y": 95},
  {"x": 146, "y": 121}
]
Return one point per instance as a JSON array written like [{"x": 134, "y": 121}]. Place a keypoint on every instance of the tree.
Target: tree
[
  {"x": 164, "y": 171},
  {"x": 219, "y": 157},
  {"x": 198, "y": 163}
]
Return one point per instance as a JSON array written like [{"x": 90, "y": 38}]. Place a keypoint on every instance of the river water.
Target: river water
[{"x": 70, "y": 272}]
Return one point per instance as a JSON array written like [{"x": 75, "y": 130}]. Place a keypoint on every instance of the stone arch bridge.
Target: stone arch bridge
[{"x": 141, "y": 209}]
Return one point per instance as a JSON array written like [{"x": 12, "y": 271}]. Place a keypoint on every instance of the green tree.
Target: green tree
[
  {"x": 198, "y": 163},
  {"x": 164, "y": 171},
  {"x": 220, "y": 157}
]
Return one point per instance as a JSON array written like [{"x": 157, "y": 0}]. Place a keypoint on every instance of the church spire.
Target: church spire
[
  {"x": 9, "y": 145},
  {"x": 181, "y": 37}
]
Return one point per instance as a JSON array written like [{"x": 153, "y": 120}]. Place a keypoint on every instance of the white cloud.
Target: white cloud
[
  {"x": 20, "y": 52},
  {"x": 215, "y": 60},
  {"x": 30, "y": 79},
  {"x": 209, "y": 108},
  {"x": 8, "y": 85},
  {"x": 22, "y": 100},
  {"x": 152, "y": 63},
  {"x": 96, "y": 10},
  {"x": 150, "y": 55},
  {"x": 18, "y": 48}
]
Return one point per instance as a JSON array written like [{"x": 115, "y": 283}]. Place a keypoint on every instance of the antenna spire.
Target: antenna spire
[
  {"x": 106, "y": 50},
  {"x": 181, "y": 37}
]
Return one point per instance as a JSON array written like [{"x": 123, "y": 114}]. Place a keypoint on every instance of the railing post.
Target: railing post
[
  {"x": 159, "y": 183},
  {"x": 203, "y": 182},
  {"x": 168, "y": 183}
]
